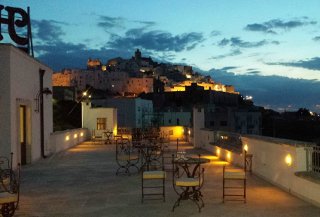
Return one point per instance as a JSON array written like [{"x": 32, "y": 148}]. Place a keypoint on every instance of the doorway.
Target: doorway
[{"x": 23, "y": 133}]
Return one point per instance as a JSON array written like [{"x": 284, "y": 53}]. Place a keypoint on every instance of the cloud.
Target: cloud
[
  {"x": 107, "y": 22},
  {"x": 227, "y": 68},
  {"x": 48, "y": 30},
  {"x": 215, "y": 33},
  {"x": 313, "y": 63},
  {"x": 61, "y": 55},
  {"x": 146, "y": 23},
  {"x": 317, "y": 38},
  {"x": 237, "y": 42},
  {"x": 155, "y": 40},
  {"x": 254, "y": 72},
  {"x": 230, "y": 54},
  {"x": 272, "y": 26},
  {"x": 111, "y": 23},
  {"x": 271, "y": 91}
]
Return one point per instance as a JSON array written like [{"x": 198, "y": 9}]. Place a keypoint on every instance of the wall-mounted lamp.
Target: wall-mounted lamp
[
  {"x": 288, "y": 159},
  {"x": 245, "y": 148},
  {"x": 218, "y": 152},
  {"x": 228, "y": 156},
  {"x": 46, "y": 91}
]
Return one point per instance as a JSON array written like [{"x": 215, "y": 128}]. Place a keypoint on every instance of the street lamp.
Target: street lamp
[{"x": 46, "y": 91}]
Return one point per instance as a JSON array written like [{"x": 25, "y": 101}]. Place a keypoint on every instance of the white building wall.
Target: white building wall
[
  {"x": 130, "y": 111},
  {"x": 198, "y": 124},
  {"x": 90, "y": 115},
  {"x": 20, "y": 86},
  {"x": 5, "y": 106}
]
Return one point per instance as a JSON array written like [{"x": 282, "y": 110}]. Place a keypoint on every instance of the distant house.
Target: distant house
[
  {"x": 177, "y": 117},
  {"x": 99, "y": 119},
  {"x": 131, "y": 112},
  {"x": 23, "y": 131}
]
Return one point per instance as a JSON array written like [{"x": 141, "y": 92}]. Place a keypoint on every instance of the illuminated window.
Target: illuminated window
[{"x": 101, "y": 123}]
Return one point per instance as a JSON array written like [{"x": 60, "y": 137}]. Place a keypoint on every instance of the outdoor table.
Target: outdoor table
[
  {"x": 187, "y": 163},
  {"x": 148, "y": 153}
]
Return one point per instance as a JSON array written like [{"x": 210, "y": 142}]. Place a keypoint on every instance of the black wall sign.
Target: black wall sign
[{"x": 16, "y": 18}]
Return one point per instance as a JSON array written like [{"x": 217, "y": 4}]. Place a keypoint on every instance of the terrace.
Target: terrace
[{"x": 81, "y": 181}]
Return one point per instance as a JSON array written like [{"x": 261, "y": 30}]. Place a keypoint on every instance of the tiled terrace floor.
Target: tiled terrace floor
[{"x": 82, "y": 182}]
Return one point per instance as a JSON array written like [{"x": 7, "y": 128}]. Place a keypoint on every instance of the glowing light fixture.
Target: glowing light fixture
[
  {"x": 228, "y": 156},
  {"x": 189, "y": 132},
  {"x": 218, "y": 152},
  {"x": 288, "y": 159},
  {"x": 67, "y": 138},
  {"x": 75, "y": 136},
  {"x": 81, "y": 134},
  {"x": 245, "y": 147}
]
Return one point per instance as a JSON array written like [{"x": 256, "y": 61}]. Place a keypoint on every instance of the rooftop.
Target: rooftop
[{"x": 82, "y": 182}]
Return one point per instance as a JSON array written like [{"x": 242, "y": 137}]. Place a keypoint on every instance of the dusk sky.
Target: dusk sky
[{"x": 268, "y": 49}]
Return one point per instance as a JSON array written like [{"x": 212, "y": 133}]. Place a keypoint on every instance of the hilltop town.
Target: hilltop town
[
  {"x": 166, "y": 93},
  {"x": 131, "y": 77}
]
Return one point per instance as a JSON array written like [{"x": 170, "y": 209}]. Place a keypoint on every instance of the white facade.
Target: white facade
[
  {"x": 19, "y": 122},
  {"x": 92, "y": 115},
  {"x": 131, "y": 112}
]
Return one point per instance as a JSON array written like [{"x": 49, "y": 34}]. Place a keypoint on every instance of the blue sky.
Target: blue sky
[{"x": 269, "y": 49}]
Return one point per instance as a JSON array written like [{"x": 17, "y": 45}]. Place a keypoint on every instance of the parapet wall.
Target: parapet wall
[
  {"x": 62, "y": 140},
  {"x": 275, "y": 160}
]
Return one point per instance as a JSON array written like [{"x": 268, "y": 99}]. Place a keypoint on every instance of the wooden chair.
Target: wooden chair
[
  {"x": 9, "y": 187},
  {"x": 153, "y": 177},
  {"x": 237, "y": 180}
]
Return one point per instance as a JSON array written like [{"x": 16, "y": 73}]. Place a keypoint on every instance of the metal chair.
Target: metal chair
[
  {"x": 232, "y": 176},
  {"x": 9, "y": 187},
  {"x": 153, "y": 176},
  {"x": 187, "y": 181},
  {"x": 96, "y": 138},
  {"x": 126, "y": 156}
]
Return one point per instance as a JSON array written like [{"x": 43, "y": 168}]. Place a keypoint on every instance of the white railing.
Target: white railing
[{"x": 313, "y": 159}]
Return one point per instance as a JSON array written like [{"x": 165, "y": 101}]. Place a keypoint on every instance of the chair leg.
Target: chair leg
[
  {"x": 245, "y": 190},
  {"x": 142, "y": 192},
  {"x": 164, "y": 190},
  {"x": 223, "y": 183}
]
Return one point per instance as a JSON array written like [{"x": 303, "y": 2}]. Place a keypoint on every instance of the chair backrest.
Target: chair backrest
[
  {"x": 245, "y": 160},
  {"x": 5, "y": 163},
  {"x": 157, "y": 157},
  {"x": 9, "y": 178},
  {"x": 123, "y": 146}
]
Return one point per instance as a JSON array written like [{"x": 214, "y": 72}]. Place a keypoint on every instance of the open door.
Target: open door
[{"x": 23, "y": 132}]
